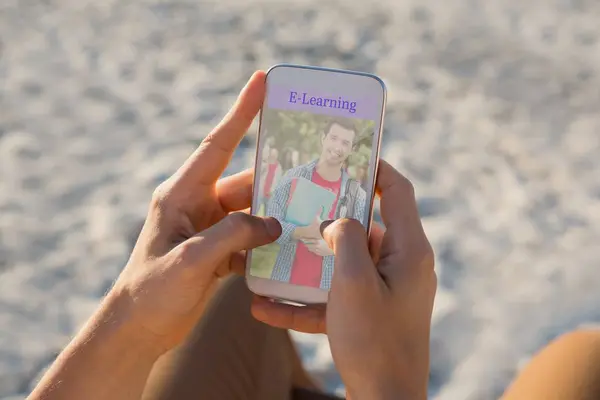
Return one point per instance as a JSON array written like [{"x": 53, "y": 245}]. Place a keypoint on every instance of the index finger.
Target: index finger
[
  {"x": 209, "y": 161},
  {"x": 307, "y": 319}
]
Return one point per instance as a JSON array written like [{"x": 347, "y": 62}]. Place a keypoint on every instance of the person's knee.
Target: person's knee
[
  {"x": 568, "y": 368},
  {"x": 584, "y": 339},
  {"x": 234, "y": 292},
  {"x": 578, "y": 351}
]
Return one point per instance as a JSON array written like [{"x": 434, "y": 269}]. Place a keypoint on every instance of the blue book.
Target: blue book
[{"x": 308, "y": 200}]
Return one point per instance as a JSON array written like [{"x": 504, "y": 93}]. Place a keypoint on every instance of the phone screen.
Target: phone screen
[{"x": 316, "y": 160}]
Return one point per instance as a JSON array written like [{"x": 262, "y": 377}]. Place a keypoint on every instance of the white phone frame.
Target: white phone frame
[{"x": 286, "y": 292}]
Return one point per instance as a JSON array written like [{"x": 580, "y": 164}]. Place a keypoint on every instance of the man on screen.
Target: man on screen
[{"x": 304, "y": 258}]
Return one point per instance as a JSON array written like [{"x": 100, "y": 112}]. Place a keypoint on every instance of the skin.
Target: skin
[
  {"x": 319, "y": 247},
  {"x": 194, "y": 235},
  {"x": 377, "y": 318},
  {"x": 337, "y": 146},
  {"x": 387, "y": 282},
  {"x": 568, "y": 368}
]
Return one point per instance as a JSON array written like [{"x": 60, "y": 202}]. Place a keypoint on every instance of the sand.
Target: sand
[{"x": 492, "y": 113}]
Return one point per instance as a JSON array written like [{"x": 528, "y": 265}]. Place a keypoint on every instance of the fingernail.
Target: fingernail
[
  {"x": 273, "y": 227},
  {"x": 324, "y": 225}
]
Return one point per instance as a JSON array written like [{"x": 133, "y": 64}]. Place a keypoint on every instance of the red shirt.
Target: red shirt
[
  {"x": 307, "y": 266},
  {"x": 271, "y": 168}
]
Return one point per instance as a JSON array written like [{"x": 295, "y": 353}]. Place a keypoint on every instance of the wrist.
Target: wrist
[
  {"x": 117, "y": 308},
  {"x": 107, "y": 356},
  {"x": 298, "y": 233},
  {"x": 385, "y": 391}
]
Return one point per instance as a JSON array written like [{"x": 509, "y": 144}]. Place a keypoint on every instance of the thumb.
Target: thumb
[
  {"x": 354, "y": 271},
  {"x": 237, "y": 231}
]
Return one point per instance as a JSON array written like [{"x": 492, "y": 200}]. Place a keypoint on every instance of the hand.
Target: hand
[
  {"x": 309, "y": 232},
  {"x": 319, "y": 247},
  {"x": 379, "y": 311},
  {"x": 190, "y": 239}
]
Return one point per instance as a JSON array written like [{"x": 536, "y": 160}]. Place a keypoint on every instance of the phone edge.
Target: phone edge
[{"x": 248, "y": 259}]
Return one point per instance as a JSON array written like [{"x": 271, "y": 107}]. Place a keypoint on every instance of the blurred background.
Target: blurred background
[{"x": 493, "y": 113}]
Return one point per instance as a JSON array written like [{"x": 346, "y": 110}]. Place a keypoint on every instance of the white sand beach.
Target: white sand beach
[{"x": 493, "y": 113}]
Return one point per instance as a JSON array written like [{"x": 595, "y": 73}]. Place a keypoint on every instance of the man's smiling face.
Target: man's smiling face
[{"x": 337, "y": 145}]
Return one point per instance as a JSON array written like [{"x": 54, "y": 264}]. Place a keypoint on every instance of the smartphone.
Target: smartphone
[{"x": 316, "y": 159}]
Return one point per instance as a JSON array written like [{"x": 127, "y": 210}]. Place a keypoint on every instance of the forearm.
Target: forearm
[
  {"x": 108, "y": 359},
  {"x": 568, "y": 368},
  {"x": 394, "y": 381}
]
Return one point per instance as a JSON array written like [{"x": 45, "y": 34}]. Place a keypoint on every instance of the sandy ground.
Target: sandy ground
[{"x": 493, "y": 113}]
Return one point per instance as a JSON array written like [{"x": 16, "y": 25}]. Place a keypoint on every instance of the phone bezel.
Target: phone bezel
[{"x": 283, "y": 291}]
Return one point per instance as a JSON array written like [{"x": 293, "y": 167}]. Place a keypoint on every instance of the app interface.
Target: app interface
[{"x": 315, "y": 155}]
